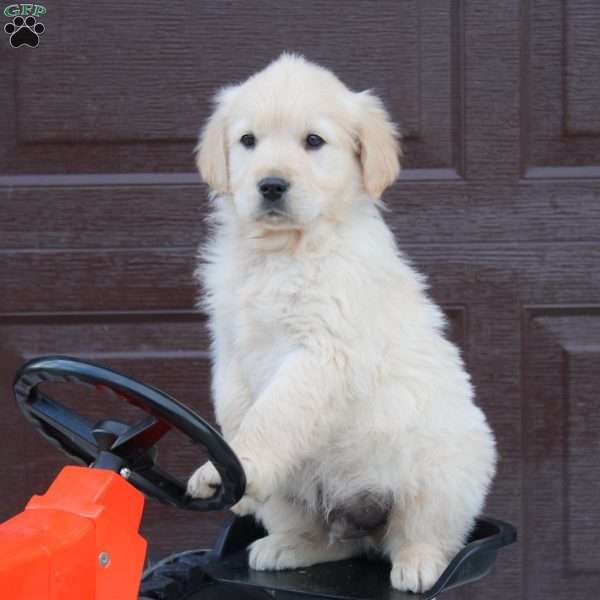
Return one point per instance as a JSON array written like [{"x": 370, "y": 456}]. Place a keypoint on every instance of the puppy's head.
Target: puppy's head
[{"x": 292, "y": 144}]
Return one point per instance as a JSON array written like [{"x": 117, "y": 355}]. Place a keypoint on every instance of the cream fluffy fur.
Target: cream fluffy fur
[{"x": 332, "y": 378}]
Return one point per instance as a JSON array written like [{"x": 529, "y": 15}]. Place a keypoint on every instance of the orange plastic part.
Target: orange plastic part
[{"x": 79, "y": 541}]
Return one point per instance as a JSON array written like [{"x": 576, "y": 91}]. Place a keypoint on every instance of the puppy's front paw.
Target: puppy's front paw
[
  {"x": 204, "y": 482},
  {"x": 417, "y": 567}
]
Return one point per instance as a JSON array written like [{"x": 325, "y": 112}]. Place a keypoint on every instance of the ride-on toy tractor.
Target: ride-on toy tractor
[{"x": 80, "y": 540}]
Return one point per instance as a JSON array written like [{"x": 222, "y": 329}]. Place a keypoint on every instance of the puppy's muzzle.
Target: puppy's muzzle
[{"x": 272, "y": 190}]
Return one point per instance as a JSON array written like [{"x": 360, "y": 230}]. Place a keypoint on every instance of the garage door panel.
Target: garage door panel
[
  {"x": 559, "y": 79},
  {"x": 102, "y": 113},
  {"x": 158, "y": 279},
  {"x": 103, "y": 216},
  {"x": 478, "y": 212},
  {"x": 561, "y": 446}
]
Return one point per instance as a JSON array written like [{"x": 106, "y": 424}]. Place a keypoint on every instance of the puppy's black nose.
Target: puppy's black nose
[{"x": 273, "y": 188}]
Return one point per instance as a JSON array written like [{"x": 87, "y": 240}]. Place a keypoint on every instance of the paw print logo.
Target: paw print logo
[{"x": 24, "y": 31}]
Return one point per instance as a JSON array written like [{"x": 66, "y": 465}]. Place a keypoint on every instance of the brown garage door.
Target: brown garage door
[{"x": 499, "y": 203}]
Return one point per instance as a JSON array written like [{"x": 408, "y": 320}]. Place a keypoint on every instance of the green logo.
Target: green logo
[
  {"x": 22, "y": 10},
  {"x": 24, "y": 29}
]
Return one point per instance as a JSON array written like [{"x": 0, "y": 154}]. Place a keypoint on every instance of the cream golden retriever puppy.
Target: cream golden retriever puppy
[{"x": 351, "y": 412}]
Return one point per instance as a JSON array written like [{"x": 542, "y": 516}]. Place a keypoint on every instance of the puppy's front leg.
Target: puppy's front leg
[
  {"x": 231, "y": 395},
  {"x": 287, "y": 422},
  {"x": 231, "y": 399}
]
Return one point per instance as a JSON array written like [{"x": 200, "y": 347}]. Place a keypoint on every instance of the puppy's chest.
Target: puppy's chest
[
  {"x": 270, "y": 299},
  {"x": 266, "y": 320}
]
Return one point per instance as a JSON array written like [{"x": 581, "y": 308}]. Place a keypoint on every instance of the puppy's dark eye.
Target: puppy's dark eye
[
  {"x": 248, "y": 140},
  {"x": 314, "y": 141}
]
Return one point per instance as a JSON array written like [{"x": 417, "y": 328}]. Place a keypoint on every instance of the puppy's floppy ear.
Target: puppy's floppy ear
[
  {"x": 379, "y": 145},
  {"x": 211, "y": 151}
]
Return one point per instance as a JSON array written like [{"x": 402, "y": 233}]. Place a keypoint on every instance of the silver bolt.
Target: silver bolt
[
  {"x": 125, "y": 473},
  {"x": 104, "y": 559}
]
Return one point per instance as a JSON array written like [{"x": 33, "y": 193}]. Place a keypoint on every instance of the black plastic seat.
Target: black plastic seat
[{"x": 355, "y": 579}]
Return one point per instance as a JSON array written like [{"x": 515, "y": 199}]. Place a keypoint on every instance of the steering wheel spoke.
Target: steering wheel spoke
[
  {"x": 140, "y": 438},
  {"x": 156, "y": 482},
  {"x": 65, "y": 425}
]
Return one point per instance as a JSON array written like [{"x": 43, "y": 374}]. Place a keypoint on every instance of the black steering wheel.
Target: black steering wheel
[{"x": 129, "y": 450}]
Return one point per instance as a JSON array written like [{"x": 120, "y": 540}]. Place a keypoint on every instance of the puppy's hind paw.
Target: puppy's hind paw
[
  {"x": 294, "y": 550},
  {"x": 273, "y": 553},
  {"x": 417, "y": 567}
]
